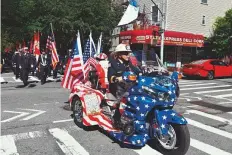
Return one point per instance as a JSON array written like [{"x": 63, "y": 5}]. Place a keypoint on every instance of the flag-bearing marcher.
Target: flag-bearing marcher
[{"x": 51, "y": 46}]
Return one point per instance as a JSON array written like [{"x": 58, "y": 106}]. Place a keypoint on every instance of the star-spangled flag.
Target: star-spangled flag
[
  {"x": 90, "y": 49},
  {"x": 77, "y": 65},
  {"x": 51, "y": 45},
  {"x": 86, "y": 53}
]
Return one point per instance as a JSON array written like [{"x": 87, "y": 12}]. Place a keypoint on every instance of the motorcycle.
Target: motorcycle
[{"x": 145, "y": 111}]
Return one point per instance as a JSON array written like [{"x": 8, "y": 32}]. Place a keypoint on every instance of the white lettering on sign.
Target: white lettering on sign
[{"x": 140, "y": 38}]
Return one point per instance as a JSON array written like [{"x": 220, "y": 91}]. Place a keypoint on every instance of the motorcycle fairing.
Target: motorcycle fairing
[
  {"x": 135, "y": 139},
  {"x": 168, "y": 116}
]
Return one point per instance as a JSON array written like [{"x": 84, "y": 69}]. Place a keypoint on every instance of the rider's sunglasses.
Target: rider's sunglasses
[{"x": 124, "y": 53}]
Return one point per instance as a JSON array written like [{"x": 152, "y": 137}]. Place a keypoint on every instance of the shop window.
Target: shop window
[
  {"x": 204, "y": 1},
  {"x": 203, "y": 20},
  {"x": 155, "y": 14}
]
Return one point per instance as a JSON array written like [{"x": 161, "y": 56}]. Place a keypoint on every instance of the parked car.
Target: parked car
[{"x": 209, "y": 69}]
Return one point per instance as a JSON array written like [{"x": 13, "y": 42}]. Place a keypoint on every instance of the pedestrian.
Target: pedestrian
[
  {"x": 25, "y": 66},
  {"x": 16, "y": 63},
  {"x": 43, "y": 63}
]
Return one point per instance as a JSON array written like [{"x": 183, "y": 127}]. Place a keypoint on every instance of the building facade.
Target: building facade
[
  {"x": 187, "y": 22},
  {"x": 192, "y": 16}
]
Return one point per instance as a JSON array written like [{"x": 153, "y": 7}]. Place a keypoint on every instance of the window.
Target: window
[
  {"x": 203, "y": 20},
  {"x": 204, "y": 1},
  {"x": 155, "y": 14}
]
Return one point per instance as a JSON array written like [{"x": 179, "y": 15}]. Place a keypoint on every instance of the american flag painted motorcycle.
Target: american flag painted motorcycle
[{"x": 146, "y": 113}]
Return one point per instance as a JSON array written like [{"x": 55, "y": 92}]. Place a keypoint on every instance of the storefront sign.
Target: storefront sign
[{"x": 171, "y": 38}]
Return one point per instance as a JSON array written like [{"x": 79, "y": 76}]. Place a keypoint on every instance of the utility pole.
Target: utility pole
[{"x": 163, "y": 25}]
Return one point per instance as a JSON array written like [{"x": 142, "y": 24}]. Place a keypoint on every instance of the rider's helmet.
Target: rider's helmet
[
  {"x": 101, "y": 56},
  {"x": 122, "y": 48}
]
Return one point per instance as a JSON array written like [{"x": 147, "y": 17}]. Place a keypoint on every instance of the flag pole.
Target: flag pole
[{"x": 52, "y": 31}]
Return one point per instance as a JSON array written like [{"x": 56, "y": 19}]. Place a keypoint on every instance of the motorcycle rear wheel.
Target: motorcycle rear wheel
[
  {"x": 182, "y": 141},
  {"x": 77, "y": 112}
]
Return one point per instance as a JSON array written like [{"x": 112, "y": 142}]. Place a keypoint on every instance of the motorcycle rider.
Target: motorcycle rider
[{"x": 119, "y": 63}]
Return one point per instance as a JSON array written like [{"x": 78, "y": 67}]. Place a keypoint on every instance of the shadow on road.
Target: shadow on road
[{"x": 212, "y": 106}]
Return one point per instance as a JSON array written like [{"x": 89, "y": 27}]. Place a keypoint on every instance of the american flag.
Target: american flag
[
  {"x": 77, "y": 65},
  {"x": 86, "y": 53},
  {"x": 90, "y": 49},
  {"x": 51, "y": 45},
  {"x": 68, "y": 78}
]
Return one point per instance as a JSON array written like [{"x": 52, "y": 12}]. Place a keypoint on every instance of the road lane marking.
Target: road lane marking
[
  {"x": 39, "y": 112},
  {"x": 67, "y": 143},
  {"x": 65, "y": 120},
  {"x": 147, "y": 150},
  {"x": 212, "y": 91},
  {"x": 207, "y": 148},
  {"x": 221, "y": 86},
  {"x": 197, "y": 84},
  {"x": 221, "y": 96},
  {"x": 21, "y": 114},
  {"x": 8, "y": 146},
  {"x": 217, "y": 118},
  {"x": 209, "y": 128},
  {"x": 182, "y": 83}
]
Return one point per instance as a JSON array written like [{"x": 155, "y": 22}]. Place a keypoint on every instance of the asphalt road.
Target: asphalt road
[{"x": 36, "y": 120}]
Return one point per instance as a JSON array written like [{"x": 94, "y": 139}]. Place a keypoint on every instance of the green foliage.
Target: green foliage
[
  {"x": 222, "y": 34},
  {"x": 20, "y": 18}
]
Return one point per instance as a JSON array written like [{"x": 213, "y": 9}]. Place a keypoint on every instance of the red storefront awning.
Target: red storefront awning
[{"x": 171, "y": 38}]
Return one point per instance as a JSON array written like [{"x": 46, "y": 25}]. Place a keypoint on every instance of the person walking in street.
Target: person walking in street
[
  {"x": 25, "y": 66},
  {"x": 43, "y": 63},
  {"x": 16, "y": 63}
]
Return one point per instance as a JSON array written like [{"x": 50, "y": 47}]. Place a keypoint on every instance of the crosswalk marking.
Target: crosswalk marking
[
  {"x": 209, "y": 128},
  {"x": 8, "y": 146},
  {"x": 220, "y": 119},
  {"x": 224, "y": 95},
  {"x": 207, "y": 148},
  {"x": 147, "y": 150},
  {"x": 202, "y": 84},
  {"x": 67, "y": 143},
  {"x": 65, "y": 120},
  {"x": 221, "y": 86},
  {"x": 212, "y": 91},
  {"x": 187, "y": 82}
]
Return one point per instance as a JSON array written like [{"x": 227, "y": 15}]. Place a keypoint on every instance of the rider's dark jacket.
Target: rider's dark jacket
[{"x": 116, "y": 69}]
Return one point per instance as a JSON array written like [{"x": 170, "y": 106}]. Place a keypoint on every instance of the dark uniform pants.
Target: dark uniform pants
[{"x": 43, "y": 74}]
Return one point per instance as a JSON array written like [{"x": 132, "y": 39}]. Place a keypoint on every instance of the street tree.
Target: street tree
[
  {"x": 20, "y": 18},
  {"x": 221, "y": 39}
]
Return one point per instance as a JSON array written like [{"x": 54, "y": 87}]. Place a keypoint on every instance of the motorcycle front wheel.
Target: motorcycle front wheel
[{"x": 175, "y": 143}]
